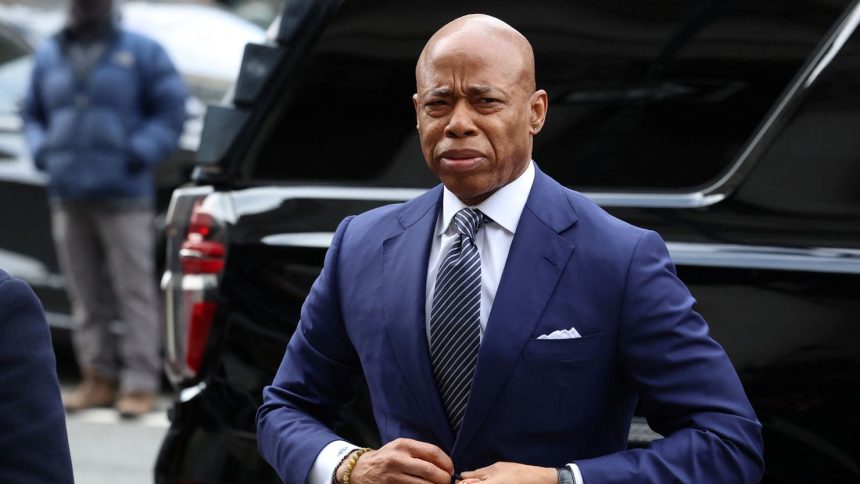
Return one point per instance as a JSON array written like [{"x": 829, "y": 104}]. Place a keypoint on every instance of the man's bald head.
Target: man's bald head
[{"x": 478, "y": 31}]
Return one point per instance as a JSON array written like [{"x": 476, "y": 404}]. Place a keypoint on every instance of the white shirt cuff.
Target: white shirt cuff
[
  {"x": 327, "y": 461},
  {"x": 577, "y": 476}
]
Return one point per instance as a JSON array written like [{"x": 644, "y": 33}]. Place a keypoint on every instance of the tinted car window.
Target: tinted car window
[
  {"x": 658, "y": 94},
  {"x": 811, "y": 169}
]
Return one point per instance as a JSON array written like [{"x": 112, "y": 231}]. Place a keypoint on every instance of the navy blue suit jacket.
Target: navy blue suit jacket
[
  {"x": 540, "y": 402},
  {"x": 34, "y": 447}
]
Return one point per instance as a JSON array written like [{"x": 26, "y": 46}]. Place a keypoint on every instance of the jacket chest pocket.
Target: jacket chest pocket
[
  {"x": 570, "y": 349},
  {"x": 570, "y": 378}
]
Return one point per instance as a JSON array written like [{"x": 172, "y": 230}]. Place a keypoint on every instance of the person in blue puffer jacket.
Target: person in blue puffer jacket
[{"x": 104, "y": 107}]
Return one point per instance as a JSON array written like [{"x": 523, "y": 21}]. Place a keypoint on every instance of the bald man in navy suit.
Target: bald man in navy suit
[
  {"x": 34, "y": 447},
  {"x": 507, "y": 327}
]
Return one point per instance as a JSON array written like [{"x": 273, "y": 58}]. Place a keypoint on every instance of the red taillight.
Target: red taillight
[
  {"x": 200, "y": 222},
  {"x": 201, "y": 258},
  {"x": 200, "y": 254},
  {"x": 204, "y": 257},
  {"x": 199, "y": 325}
]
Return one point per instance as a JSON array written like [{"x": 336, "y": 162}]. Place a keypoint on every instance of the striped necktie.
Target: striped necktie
[{"x": 455, "y": 317}]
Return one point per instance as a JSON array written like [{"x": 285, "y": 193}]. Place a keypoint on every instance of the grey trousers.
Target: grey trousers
[{"x": 106, "y": 256}]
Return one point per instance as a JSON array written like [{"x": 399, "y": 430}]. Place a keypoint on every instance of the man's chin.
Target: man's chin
[{"x": 469, "y": 194}]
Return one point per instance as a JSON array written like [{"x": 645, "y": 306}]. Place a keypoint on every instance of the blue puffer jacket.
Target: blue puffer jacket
[{"x": 100, "y": 137}]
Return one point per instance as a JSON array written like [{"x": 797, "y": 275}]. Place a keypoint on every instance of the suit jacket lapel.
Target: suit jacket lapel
[
  {"x": 536, "y": 259},
  {"x": 404, "y": 263}
]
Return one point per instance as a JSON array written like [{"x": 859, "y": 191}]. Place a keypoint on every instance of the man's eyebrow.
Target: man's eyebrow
[
  {"x": 479, "y": 90},
  {"x": 470, "y": 91},
  {"x": 439, "y": 91}
]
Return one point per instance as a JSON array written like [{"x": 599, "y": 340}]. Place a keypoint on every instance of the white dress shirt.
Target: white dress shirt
[{"x": 493, "y": 239}]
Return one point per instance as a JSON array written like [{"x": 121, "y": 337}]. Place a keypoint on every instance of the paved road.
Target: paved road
[{"x": 110, "y": 450}]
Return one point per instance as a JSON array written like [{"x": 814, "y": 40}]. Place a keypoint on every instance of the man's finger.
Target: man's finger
[
  {"x": 403, "y": 460},
  {"x": 475, "y": 475},
  {"x": 426, "y": 471},
  {"x": 429, "y": 453}
]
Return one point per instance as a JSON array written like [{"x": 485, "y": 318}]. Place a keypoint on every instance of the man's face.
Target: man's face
[
  {"x": 476, "y": 115},
  {"x": 87, "y": 13}
]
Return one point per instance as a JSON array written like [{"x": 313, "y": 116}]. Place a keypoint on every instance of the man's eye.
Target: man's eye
[
  {"x": 434, "y": 103},
  {"x": 487, "y": 100}
]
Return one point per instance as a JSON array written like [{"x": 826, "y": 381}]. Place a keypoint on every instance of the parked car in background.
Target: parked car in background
[
  {"x": 208, "y": 68},
  {"x": 730, "y": 127},
  {"x": 260, "y": 12}
]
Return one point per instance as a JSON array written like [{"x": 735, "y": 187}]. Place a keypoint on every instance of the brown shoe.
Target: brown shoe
[
  {"x": 93, "y": 391},
  {"x": 135, "y": 404}
]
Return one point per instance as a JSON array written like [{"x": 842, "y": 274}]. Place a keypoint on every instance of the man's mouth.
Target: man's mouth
[{"x": 461, "y": 159}]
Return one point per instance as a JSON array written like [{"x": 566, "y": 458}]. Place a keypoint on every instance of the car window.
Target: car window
[
  {"x": 14, "y": 76},
  {"x": 14, "y": 69},
  {"x": 812, "y": 166},
  {"x": 12, "y": 44},
  {"x": 657, "y": 94}
]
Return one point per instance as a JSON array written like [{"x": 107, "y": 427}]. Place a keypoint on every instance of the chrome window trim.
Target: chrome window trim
[
  {"x": 606, "y": 199},
  {"x": 814, "y": 259}
]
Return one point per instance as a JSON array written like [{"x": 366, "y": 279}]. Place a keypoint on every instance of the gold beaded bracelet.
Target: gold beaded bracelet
[{"x": 352, "y": 460}]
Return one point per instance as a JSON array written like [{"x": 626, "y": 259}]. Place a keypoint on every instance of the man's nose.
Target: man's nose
[{"x": 461, "y": 123}]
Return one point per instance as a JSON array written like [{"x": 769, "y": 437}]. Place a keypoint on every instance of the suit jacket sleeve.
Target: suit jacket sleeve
[
  {"x": 34, "y": 447},
  {"x": 319, "y": 375},
  {"x": 688, "y": 388}
]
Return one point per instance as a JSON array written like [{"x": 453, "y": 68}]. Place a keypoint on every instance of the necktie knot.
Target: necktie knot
[{"x": 468, "y": 221}]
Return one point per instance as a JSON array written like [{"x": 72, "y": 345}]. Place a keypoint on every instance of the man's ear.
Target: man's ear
[{"x": 539, "y": 103}]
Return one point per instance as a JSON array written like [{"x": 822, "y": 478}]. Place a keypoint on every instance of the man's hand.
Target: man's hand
[
  {"x": 509, "y": 472},
  {"x": 401, "y": 461}
]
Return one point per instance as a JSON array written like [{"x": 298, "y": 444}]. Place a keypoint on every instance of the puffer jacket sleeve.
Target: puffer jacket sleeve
[
  {"x": 164, "y": 110},
  {"x": 33, "y": 113}
]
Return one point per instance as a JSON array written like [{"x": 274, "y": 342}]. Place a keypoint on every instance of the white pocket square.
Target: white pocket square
[{"x": 562, "y": 334}]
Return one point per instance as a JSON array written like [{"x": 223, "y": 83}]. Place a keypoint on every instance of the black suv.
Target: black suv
[{"x": 731, "y": 127}]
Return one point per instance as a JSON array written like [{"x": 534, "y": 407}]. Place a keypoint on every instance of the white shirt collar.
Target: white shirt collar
[{"x": 504, "y": 207}]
